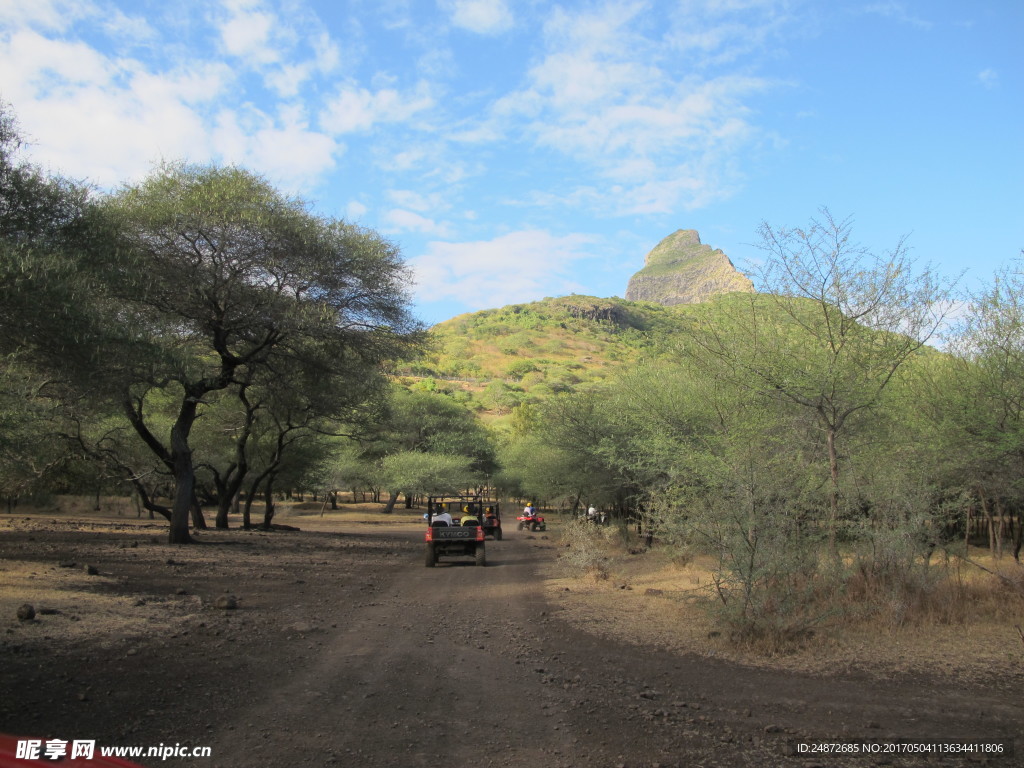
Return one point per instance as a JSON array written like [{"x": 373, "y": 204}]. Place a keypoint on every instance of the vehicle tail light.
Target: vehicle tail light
[
  {"x": 479, "y": 533},
  {"x": 430, "y": 533}
]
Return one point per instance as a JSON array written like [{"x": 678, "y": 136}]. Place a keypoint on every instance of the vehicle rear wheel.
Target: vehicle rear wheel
[
  {"x": 431, "y": 556},
  {"x": 497, "y": 534},
  {"x": 481, "y": 555},
  {"x": 536, "y": 527},
  {"x": 521, "y": 526}
]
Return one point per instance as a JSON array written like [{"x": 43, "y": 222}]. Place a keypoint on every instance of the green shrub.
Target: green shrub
[
  {"x": 520, "y": 368},
  {"x": 585, "y": 549}
]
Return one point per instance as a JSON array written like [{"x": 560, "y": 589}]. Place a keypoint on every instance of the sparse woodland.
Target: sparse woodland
[{"x": 834, "y": 442}]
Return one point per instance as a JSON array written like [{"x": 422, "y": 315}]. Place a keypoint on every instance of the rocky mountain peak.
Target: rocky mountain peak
[{"x": 682, "y": 270}]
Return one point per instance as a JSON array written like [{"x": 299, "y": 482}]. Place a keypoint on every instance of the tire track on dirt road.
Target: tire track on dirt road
[
  {"x": 466, "y": 666},
  {"x": 434, "y": 670}
]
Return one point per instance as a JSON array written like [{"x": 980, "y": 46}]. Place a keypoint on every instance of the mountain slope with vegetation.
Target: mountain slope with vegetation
[{"x": 496, "y": 359}]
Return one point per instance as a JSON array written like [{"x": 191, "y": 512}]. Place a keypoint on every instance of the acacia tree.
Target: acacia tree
[
  {"x": 226, "y": 448},
  {"x": 45, "y": 306},
  {"x": 44, "y": 219},
  {"x": 28, "y": 452},
  {"x": 221, "y": 276},
  {"x": 586, "y": 433},
  {"x": 293, "y": 416},
  {"x": 832, "y": 326},
  {"x": 421, "y": 473},
  {"x": 428, "y": 423},
  {"x": 982, "y": 406}
]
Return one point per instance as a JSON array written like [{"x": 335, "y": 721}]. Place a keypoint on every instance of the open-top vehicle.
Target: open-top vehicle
[
  {"x": 487, "y": 511},
  {"x": 459, "y": 525}
]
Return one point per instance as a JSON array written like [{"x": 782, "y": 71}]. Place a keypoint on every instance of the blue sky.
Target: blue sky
[{"x": 517, "y": 149}]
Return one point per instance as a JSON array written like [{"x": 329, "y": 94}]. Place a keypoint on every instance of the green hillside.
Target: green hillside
[{"x": 498, "y": 358}]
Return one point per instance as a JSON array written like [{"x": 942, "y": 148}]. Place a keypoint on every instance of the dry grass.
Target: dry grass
[
  {"x": 75, "y": 606},
  {"x": 63, "y": 596},
  {"x": 966, "y": 627},
  {"x": 122, "y": 510}
]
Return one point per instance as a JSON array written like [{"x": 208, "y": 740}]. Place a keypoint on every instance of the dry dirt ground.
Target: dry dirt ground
[{"x": 344, "y": 650}]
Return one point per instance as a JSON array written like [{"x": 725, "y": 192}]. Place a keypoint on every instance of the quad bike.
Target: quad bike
[{"x": 532, "y": 522}]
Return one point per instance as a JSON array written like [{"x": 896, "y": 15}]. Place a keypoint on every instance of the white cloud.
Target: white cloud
[
  {"x": 485, "y": 17},
  {"x": 130, "y": 113},
  {"x": 285, "y": 150},
  {"x": 48, "y": 14},
  {"x": 622, "y": 101},
  {"x": 287, "y": 48},
  {"x": 287, "y": 81},
  {"x": 247, "y": 36},
  {"x": 897, "y": 12},
  {"x": 355, "y": 210},
  {"x": 355, "y": 109},
  {"x": 689, "y": 190},
  {"x": 327, "y": 53},
  {"x": 516, "y": 267},
  {"x": 34, "y": 63},
  {"x": 400, "y": 220},
  {"x": 404, "y": 160},
  {"x": 416, "y": 201},
  {"x": 717, "y": 32},
  {"x": 989, "y": 78},
  {"x": 135, "y": 30},
  {"x": 125, "y": 118}
]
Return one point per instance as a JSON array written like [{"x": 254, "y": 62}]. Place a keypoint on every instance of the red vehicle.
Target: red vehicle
[{"x": 530, "y": 520}]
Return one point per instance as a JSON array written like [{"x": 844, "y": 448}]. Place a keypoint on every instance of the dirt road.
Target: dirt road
[{"x": 347, "y": 651}]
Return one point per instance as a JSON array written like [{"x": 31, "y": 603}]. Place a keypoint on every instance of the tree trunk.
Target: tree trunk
[
  {"x": 184, "y": 473},
  {"x": 1018, "y": 535},
  {"x": 833, "y": 499},
  {"x": 198, "y": 520},
  {"x": 268, "y": 500},
  {"x": 986, "y": 507},
  {"x": 184, "y": 485},
  {"x": 392, "y": 499},
  {"x": 247, "y": 510},
  {"x": 967, "y": 528},
  {"x": 231, "y": 496},
  {"x": 223, "y": 508}
]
